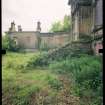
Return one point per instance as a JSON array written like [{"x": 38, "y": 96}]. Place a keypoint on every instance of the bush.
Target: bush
[
  {"x": 36, "y": 61},
  {"x": 9, "y": 44}
]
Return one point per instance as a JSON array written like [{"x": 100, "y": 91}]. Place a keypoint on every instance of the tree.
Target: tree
[
  {"x": 62, "y": 26},
  {"x": 9, "y": 44},
  {"x": 56, "y": 27},
  {"x": 66, "y": 24},
  {"x": 5, "y": 42}
]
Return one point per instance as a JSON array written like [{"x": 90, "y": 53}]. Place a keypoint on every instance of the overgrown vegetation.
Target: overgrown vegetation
[
  {"x": 21, "y": 86},
  {"x": 81, "y": 65},
  {"x": 79, "y": 78},
  {"x": 87, "y": 72},
  {"x": 70, "y": 75},
  {"x": 68, "y": 51},
  {"x": 9, "y": 44}
]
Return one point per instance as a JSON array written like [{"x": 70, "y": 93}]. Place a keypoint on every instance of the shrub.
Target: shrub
[
  {"x": 9, "y": 44},
  {"x": 87, "y": 72},
  {"x": 36, "y": 60}
]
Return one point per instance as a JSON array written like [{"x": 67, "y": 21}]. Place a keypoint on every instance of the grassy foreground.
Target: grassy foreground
[{"x": 22, "y": 86}]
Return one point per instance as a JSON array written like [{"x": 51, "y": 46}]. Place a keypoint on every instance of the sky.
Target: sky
[{"x": 27, "y": 12}]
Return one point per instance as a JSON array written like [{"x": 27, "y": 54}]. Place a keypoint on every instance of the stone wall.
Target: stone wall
[
  {"x": 36, "y": 40},
  {"x": 26, "y": 40},
  {"x": 53, "y": 40}
]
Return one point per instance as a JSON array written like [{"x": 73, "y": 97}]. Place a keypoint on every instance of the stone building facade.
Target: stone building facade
[
  {"x": 34, "y": 40},
  {"x": 87, "y": 20},
  {"x": 97, "y": 31}
]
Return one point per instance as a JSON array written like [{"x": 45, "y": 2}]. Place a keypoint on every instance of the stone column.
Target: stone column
[
  {"x": 38, "y": 27},
  {"x": 76, "y": 27},
  {"x": 12, "y": 27},
  {"x": 19, "y": 28}
]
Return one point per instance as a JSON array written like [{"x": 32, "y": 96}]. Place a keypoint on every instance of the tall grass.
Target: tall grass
[
  {"x": 18, "y": 87},
  {"x": 22, "y": 81},
  {"x": 22, "y": 88},
  {"x": 87, "y": 72}
]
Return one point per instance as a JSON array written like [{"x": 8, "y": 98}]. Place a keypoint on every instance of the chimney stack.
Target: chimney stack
[
  {"x": 19, "y": 28},
  {"x": 12, "y": 28},
  {"x": 38, "y": 27}
]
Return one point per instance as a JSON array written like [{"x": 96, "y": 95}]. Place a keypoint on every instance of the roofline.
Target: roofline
[
  {"x": 21, "y": 32},
  {"x": 46, "y": 34},
  {"x": 38, "y": 32}
]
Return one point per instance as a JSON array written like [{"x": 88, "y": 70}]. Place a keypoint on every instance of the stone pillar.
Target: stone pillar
[
  {"x": 76, "y": 27},
  {"x": 19, "y": 28},
  {"x": 12, "y": 29},
  {"x": 38, "y": 27}
]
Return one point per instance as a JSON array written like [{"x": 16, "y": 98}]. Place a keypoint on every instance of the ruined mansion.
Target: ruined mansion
[
  {"x": 34, "y": 40},
  {"x": 87, "y": 20}
]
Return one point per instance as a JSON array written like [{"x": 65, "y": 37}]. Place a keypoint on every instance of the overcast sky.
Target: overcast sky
[{"x": 27, "y": 12}]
